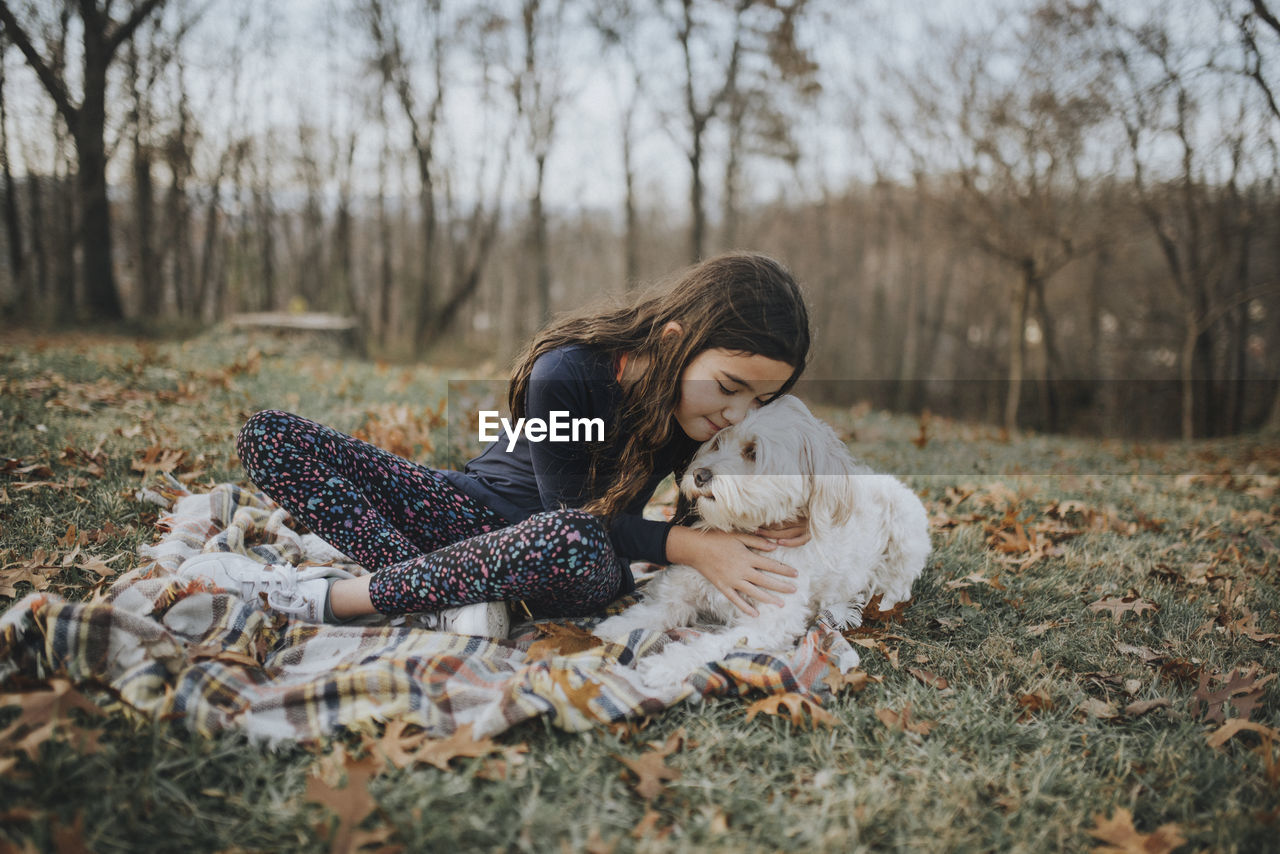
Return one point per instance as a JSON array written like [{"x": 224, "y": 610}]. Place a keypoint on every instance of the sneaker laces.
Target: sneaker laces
[{"x": 280, "y": 584}]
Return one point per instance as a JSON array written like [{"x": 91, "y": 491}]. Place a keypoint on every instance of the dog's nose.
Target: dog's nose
[{"x": 701, "y": 477}]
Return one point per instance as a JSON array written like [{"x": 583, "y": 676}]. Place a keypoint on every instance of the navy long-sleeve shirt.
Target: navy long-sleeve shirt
[{"x": 536, "y": 476}]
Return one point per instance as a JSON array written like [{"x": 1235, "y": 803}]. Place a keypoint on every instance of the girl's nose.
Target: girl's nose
[{"x": 736, "y": 411}]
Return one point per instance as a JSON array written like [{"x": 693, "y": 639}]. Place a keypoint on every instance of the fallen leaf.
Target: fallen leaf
[
  {"x": 579, "y": 696},
  {"x": 216, "y": 652},
  {"x": 930, "y": 679},
  {"x": 651, "y": 770},
  {"x": 395, "y": 746},
  {"x": 1119, "y": 606},
  {"x": 1124, "y": 838},
  {"x": 42, "y": 712},
  {"x": 350, "y": 801},
  {"x": 69, "y": 838},
  {"x": 1238, "y": 725},
  {"x": 899, "y": 721},
  {"x": 1039, "y": 629},
  {"x": 560, "y": 639},
  {"x": 439, "y": 752},
  {"x": 972, "y": 579},
  {"x": 1242, "y": 691},
  {"x": 1247, "y": 626},
  {"x": 855, "y": 680},
  {"x": 648, "y": 823},
  {"x": 922, "y": 438},
  {"x": 1098, "y": 709},
  {"x": 1036, "y": 701},
  {"x": 159, "y": 459},
  {"x": 796, "y": 705},
  {"x": 1141, "y": 707}
]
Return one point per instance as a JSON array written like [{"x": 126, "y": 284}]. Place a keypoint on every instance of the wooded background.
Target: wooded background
[{"x": 1056, "y": 215}]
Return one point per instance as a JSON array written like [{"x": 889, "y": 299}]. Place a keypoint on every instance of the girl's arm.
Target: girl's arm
[{"x": 728, "y": 561}]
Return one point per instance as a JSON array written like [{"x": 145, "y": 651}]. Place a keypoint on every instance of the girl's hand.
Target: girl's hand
[
  {"x": 794, "y": 532},
  {"x": 728, "y": 562}
]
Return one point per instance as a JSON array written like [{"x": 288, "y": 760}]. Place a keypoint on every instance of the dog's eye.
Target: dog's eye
[{"x": 749, "y": 452}]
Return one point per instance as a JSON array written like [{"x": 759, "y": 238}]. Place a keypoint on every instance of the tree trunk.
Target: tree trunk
[
  {"x": 101, "y": 296},
  {"x": 13, "y": 226},
  {"x": 541, "y": 250},
  {"x": 631, "y": 251},
  {"x": 1187, "y": 375},
  {"x": 698, "y": 221},
  {"x": 1017, "y": 336},
  {"x": 150, "y": 301}
]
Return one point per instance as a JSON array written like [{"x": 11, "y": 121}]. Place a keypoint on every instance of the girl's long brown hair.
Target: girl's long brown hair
[{"x": 742, "y": 302}]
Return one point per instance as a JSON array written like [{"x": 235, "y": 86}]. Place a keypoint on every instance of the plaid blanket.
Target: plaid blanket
[{"x": 168, "y": 648}]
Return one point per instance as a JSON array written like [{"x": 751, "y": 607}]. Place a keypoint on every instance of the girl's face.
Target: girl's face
[{"x": 719, "y": 387}]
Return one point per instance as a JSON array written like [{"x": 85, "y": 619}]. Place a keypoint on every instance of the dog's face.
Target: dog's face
[{"x": 778, "y": 464}]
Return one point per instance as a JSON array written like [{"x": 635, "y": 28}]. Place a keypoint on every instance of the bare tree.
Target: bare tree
[
  {"x": 1016, "y": 130},
  {"x": 20, "y": 299},
  {"x": 775, "y": 78},
  {"x": 538, "y": 88},
  {"x": 1195, "y": 213},
  {"x": 702, "y": 59},
  {"x": 87, "y": 119},
  {"x": 617, "y": 24}
]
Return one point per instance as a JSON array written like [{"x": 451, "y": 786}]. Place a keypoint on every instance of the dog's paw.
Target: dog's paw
[
  {"x": 845, "y": 615},
  {"x": 665, "y": 672},
  {"x": 617, "y": 629}
]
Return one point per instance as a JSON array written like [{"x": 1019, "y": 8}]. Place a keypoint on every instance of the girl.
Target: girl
[{"x": 552, "y": 524}]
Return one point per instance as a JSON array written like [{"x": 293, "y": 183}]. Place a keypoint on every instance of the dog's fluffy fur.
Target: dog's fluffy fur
[{"x": 869, "y": 534}]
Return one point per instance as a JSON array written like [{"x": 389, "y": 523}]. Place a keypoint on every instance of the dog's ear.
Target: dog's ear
[{"x": 832, "y": 475}]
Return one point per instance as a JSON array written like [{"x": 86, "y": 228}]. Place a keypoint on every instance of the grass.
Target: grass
[{"x": 1030, "y": 741}]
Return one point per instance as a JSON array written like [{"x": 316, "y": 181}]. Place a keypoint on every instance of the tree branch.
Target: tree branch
[
  {"x": 1260, "y": 9},
  {"x": 56, "y": 88},
  {"x": 140, "y": 14}
]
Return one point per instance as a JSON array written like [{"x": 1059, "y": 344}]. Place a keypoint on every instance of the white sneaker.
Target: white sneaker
[
  {"x": 290, "y": 591},
  {"x": 483, "y": 619}
]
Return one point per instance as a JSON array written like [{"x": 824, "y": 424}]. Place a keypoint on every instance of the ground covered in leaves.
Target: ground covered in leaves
[{"x": 1089, "y": 659}]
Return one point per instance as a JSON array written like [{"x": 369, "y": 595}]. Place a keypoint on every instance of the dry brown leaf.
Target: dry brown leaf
[
  {"x": 648, "y": 823},
  {"x": 41, "y": 714},
  {"x": 69, "y": 838},
  {"x": 930, "y": 679},
  {"x": 1141, "y": 707},
  {"x": 215, "y": 652},
  {"x": 350, "y": 801},
  {"x": 157, "y": 459},
  {"x": 796, "y": 705},
  {"x": 1118, "y": 606},
  {"x": 560, "y": 639},
  {"x": 972, "y": 579},
  {"x": 1242, "y": 691},
  {"x": 1123, "y": 838},
  {"x": 37, "y": 570},
  {"x": 1098, "y": 709},
  {"x": 1248, "y": 627},
  {"x": 1235, "y": 726},
  {"x": 652, "y": 773},
  {"x": 900, "y": 721},
  {"x": 439, "y": 752},
  {"x": 579, "y": 696},
  {"x": 395, "y": 746},
  {"x": 1036, "y": 701},
  {"x": 855, "y": 680},
  {"x": 922, "y": 438}
]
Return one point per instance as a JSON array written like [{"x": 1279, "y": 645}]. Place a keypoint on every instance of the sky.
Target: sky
[{"x": 263, "y": 69}]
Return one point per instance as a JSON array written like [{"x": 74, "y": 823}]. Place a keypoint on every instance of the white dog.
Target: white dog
[{"x": 869, "y": 534}]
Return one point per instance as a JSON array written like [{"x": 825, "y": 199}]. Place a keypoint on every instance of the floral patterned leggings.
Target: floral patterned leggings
[{"x": 429, "y": 545}]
